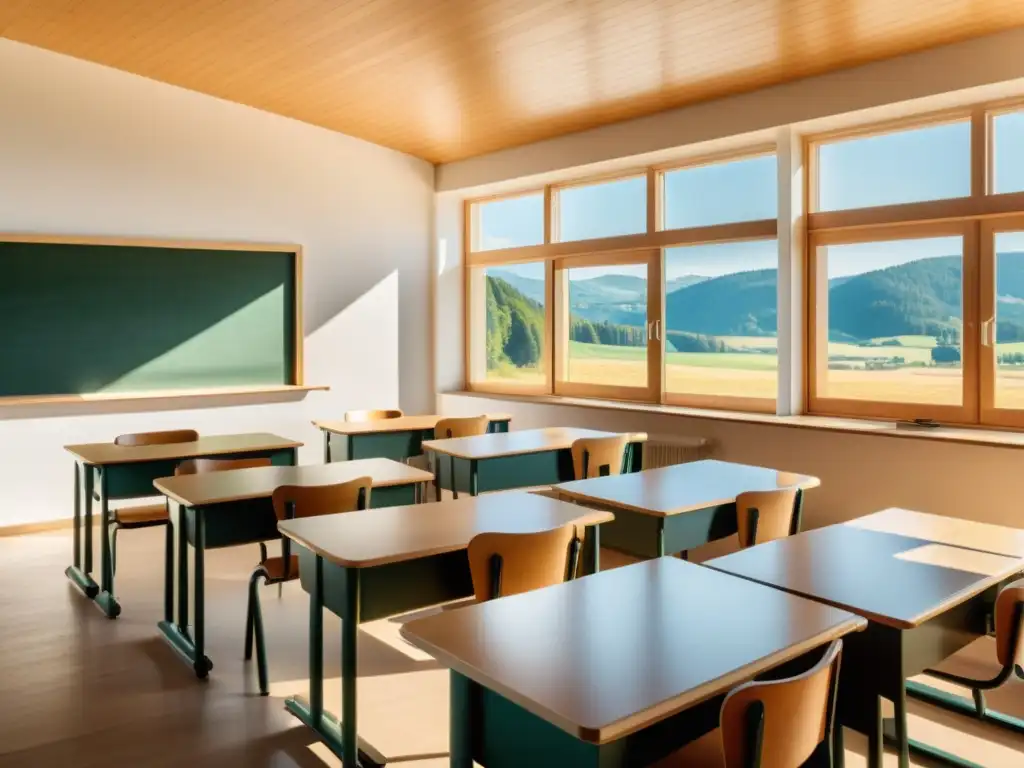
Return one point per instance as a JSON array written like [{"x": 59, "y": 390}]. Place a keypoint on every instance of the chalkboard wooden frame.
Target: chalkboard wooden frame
[{"x": 296, "y": 384}]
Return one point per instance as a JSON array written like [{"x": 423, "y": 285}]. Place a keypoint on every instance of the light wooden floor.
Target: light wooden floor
[{"x": 79, "y": 690}]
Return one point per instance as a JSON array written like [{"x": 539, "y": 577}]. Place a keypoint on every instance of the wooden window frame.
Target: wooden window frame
[
  {"x": 990, "y": 413},
  {"x": 817, "y": 319},
  {"x": 609, "y": 251}
]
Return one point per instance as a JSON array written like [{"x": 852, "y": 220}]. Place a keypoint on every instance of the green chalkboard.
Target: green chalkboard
[{"x": 83, "y": 318}]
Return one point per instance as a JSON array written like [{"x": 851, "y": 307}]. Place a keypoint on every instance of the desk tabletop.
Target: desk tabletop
[
  {"x": 899, "y": 581},
  {"x": 213, "y": 445},
  {"x": 682, "y": 487},
  {"x": 393, "y": 534},
  {"x": 608, "y": 654},
  {"x": 259, "y": 482},
  {"x": 402, "y": 424},
  {"x": 518, "y": 442},
  {"x": 998, "y": 539}
]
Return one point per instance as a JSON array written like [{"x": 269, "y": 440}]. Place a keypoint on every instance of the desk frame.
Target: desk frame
[
  {"x": 131, "y": 480},
  {"x": 520, "y": 470},
  {"x": 356, "y": 595},
  {"x": 397, "y": 445},
  {"x": 215, "y": 526}
]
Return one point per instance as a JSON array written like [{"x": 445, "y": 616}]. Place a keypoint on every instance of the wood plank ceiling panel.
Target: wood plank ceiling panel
[{"x": 449, "y": 79}]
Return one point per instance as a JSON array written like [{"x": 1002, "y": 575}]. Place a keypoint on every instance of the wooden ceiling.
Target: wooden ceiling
[{"x": 448, "y": 79}]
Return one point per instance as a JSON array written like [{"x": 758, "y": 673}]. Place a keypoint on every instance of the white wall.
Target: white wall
[{"x": 89, "y": 150}]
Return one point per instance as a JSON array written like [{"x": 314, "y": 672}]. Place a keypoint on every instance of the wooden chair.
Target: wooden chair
[
  {"x": 378, "y": 415},
  {"x": 290, "y": 502},
  {"x": 467, "y": 426},
  {"x": 503, "y": 564},
  {"x": 599, "y": 456},
  {"x": 765, "y": 515},
  {"x": 772, "y": 723},
  {"x": 1009, "y": 617},
  {"x": 158, "y": 514},
  {"x": 147, "y": 515},
  {"x": 593, "y": 457}
]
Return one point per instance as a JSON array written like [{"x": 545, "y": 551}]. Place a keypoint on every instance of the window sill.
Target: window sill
[
  {"x": 172, "y": 394},
  {"x": 964, "y": 435}
]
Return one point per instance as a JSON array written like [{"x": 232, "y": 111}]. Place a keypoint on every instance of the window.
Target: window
[
  {"x": 608, "y": 209},
  {"x": 721, "y": 321},
  {"x": 1008, "y": 320},
  {"x": 510, "y": 222},
  {"x": 930, "y": 163},
  {"x": 508, "y": 308},
  {"x": 889, "y": 324},
  {"x": 721, "y": 193},
  {"x": 1008, "y": 153}
]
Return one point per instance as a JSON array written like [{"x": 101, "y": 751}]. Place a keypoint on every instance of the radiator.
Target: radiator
[{"x": 665, "y": 450}]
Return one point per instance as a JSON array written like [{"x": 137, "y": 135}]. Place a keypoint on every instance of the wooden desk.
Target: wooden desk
[
  {"x": 397, "y": 439},
  {"x": 924, "y": 602},
  {"x": 110, "y": 472},
  {"x": 517, "y": 459},
  {"x": 368, "y": 565},
  {"x": 956, "y": 532},
  {"x": 619, "y": 668},
  {"x": 672, "y": 509},
  {"x": 224, "y": 509}
]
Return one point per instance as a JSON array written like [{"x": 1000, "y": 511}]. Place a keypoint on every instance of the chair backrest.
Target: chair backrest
[
  {"x": 503, "y": 564},
  {"x": 201, "y": 466},
  {"x": 379, "y": 415},
  {"x": 597, "y": 456},
  {"x": 787, "y": 718},
  {"x": 1009, "y": 613},
  {"x": 157, "y": 438},
  {"x": 764, "y": 515},
  {"x": 461, "y": 427},
  {"x": 315, "y": 500}
]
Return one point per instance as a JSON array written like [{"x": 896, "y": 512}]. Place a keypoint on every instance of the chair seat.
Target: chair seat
[
  {"x": 150, "y": 513},
  {"x": 705, "y": 752},
  {"x": 275, "y": 568}
]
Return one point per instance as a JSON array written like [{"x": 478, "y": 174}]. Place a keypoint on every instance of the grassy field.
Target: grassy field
[{"x": 755, "y": 374}]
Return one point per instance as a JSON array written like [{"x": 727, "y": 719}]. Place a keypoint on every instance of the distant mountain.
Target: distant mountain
[
  {"x": 531, "y": 287},
  {"x": 684, "y": 281},
  {"x": 742, "y": 304}
]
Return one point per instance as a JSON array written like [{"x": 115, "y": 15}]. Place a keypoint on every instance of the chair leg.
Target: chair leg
[
  {"x": 249, "y": 615},
  {"x": 257, "y": 633},
  {"x": 979, "y": 701}
]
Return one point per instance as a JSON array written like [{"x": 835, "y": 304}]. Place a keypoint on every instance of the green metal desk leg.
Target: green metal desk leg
[
  {"x": 474, "y": 477},
  {"x": 349, "y": 636},
  {"x": 661, "y": 537},
  {"x": 316, "y": 643},
  {"x": 798, "y": 513},
  {"x": 900, "y": 715},
  {"x": 182, "y": 571},
  {"x": 78, "y": 575},
  {"x": 105, "y": 599},
  {"x": 838, "y": 746},
  {"x": 169, "y": 567},
  {"x": 201, "y": 664},
  {"x": 327, "y": 447},
  {"x": 460, "y": 729},
  {"x": 875, "y": 746},
  {"x": 595, "y": 556}
]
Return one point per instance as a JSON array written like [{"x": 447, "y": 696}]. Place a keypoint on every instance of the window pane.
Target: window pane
[
  {"x": 509, "y": 223},
  {"x": 740, "y": 190},
  {"x": 603, "y": 210},
  {"x": 1009, "y": 320},
  {"x": 513, "y": 316},
  {"x": 607, "y": 325},
  {"x": 721, "y": 313},
  {"x": 931, "y": 163},
  {"x": 1008, "y": 154},
  {"x": 894, "y": 321}
]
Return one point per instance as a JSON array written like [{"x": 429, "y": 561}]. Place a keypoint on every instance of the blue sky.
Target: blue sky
[{"x": 925, "y": 164}]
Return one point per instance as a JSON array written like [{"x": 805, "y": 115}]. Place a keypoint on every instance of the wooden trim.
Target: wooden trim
[
  {"x": 970, "y": 322},
  {"x": 502, "y": 388},
  {"x": 467, "y": 297},
  {"x": 111, "y": 397},
  {"x": 980, "y": 167},
  {"x": 990, "y": 414},
  {"x": 548, "y": 214},
  {"x": 299, "y": 358},
  {"x": 718, "y": 158},
  {"x": 608, "y": 259},
  {"x": 764, "y": 229},
  {"x": 45, "y": 526},
  {"x": 549, "y": 327},
  {"x": 1005, "y": 106},
  {"x": 897, "y": 125},
  {"x": 810, "y": 192},
  {"x": 955, "y": 209},
  {"x": 601, "y": 178},
  {"x": 724, "y": 402},
  {"x": 609, "y": 391},
  {"x": 654, "y": 190},
  {"x": 817, "y": 349},
  {"x": 483, "y": 200},
  {"x": 656, "y": 316}
]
